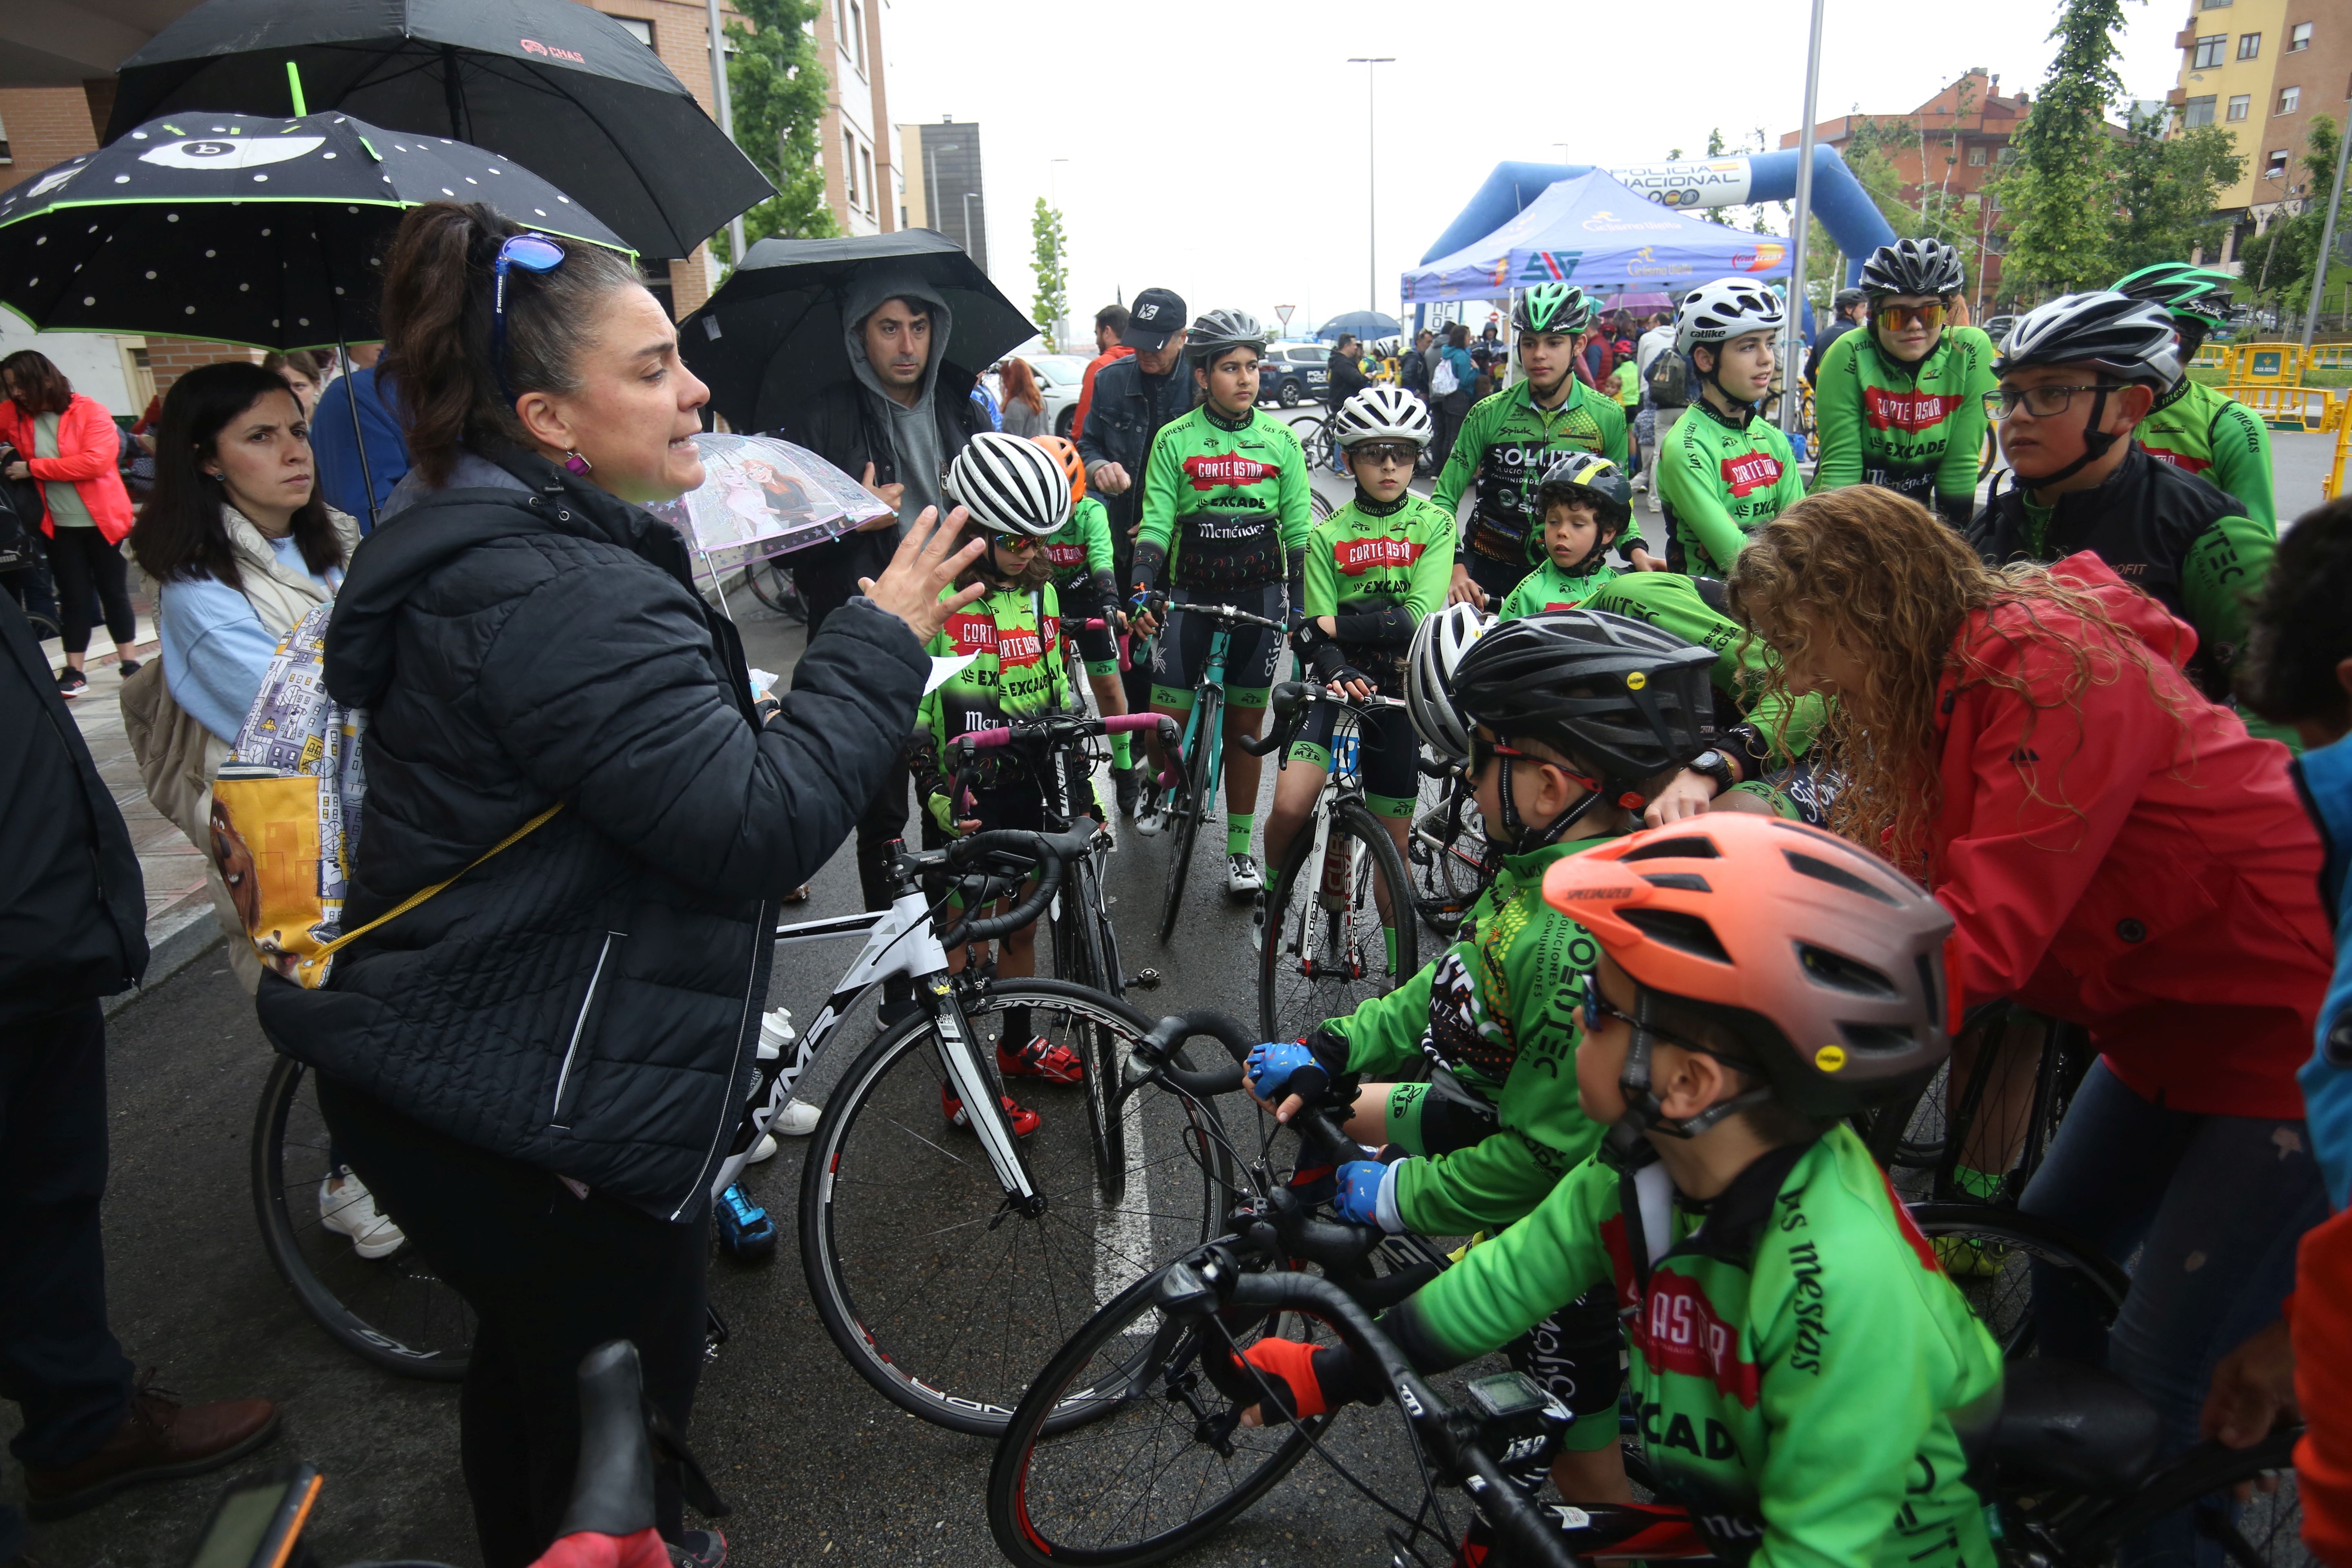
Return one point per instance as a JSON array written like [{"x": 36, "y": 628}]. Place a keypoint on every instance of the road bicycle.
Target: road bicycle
[
  {"x": 1336, "y": 932},
  {"x": 1201, "y": 763},
  {"x": 1447, "y": 851}
]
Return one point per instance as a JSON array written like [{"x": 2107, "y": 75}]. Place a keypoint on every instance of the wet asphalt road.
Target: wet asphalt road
[{"x": 817, "y": 1465}]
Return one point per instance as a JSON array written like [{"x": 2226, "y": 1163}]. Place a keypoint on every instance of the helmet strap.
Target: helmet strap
[
  {"x": 1514, "y": 828},
  {"x": 1645, "y": 1112},
  {"x": 2096, "y": 444},
  {"x": 1749, "y": 412}
]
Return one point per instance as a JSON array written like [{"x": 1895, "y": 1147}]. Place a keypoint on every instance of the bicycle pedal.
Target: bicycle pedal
[{"x": 1144, "y": 980}]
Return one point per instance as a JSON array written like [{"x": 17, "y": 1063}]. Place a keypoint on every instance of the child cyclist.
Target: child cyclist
[
  {"x": 1569, "y": 720},
  {"x": 1374, "y": 569},
  {"x": 1726, "y": 471},
  {"x": 1080, "y": 552},
  {"x": 1585, "y": 503},
  {"x": 1226, "y": 511},
  {"x": 1018, "y": 494},
  {"x": 1805, "y": 1372}
]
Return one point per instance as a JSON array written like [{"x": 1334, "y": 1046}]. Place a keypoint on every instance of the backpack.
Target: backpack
[
  {"x": 286, "y": 814},
  {"x": 1669, "y": 380},
  {"x": 1443, "y": 380}
]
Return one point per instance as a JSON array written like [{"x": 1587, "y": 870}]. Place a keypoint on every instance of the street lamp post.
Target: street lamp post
[
  {"x": 2326, "y": 241},
  {"x": 1053, "y": 183},
  {"x": 1805, "y": 221},
  {"x": 932, "y": 190},
  {"x": 1371, "y": 64}
]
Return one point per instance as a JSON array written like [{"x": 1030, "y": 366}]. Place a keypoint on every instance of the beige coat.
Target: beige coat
[{"x": 178, "y": 757}]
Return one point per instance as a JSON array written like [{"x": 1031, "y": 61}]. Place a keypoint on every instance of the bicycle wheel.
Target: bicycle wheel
[
  {"x": 1327, "y": 948},
  {"x": 395, "y": 1311},
  {"x": 1991, "y": 1252},
  {"x": 1448, "y": 857},
  {"x": 1184, "y": 824},
  {"x": 1079, "y": 959},
  {"x": 1138, "y": 1483},
  {"x": 2264, "y": 1531},
  {"x": 772, "y": 586},
  {"x": 942, "y": 1295}
]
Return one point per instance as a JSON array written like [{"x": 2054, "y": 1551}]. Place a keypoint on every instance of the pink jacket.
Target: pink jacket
[{"x": 88, "y": 444}]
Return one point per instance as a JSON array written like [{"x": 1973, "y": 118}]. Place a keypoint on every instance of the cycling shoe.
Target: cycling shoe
[
  {"x": 1024, "y": 1120},
  {"x": 1041, "y": 1057},
  {"x": 744, "y": 1228}
]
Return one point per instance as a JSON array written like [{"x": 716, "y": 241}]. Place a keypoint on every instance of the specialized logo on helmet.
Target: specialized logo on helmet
[
  {"x": 1354, "y": 557},
  {"x": 1750, "y": 471},
  {"x": 1231, "y": 470},
  {"x": 1886, "y": 410}
]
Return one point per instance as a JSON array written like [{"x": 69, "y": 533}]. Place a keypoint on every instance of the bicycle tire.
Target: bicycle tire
[
  {"x": 394, "y": 1312},
  {"x": 1077, "y": 959},
  {"x": 2205, "y": 1474},
  {"x": 1448, "y": 876},
  {"x": 1184, "y": 826},
  {"x": 2001, "y": 1295},
  {"x": 893, "y": 1220},
  {"x": 1109, "y": 1336},
  {"x": 1296, "y": 992}
]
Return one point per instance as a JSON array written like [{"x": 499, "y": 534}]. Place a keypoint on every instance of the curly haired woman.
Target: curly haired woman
[{"x": 2118, "y": 853}]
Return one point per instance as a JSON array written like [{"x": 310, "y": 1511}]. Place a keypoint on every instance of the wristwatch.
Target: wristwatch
[{"x": 1714, "y": 765}]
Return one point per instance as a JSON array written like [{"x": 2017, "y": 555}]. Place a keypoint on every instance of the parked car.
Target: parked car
[
  {"x": 1998, "y": 329},
  {"x": 1292, "y": 374}
]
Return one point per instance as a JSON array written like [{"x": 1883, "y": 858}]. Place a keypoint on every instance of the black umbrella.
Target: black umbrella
[
  {"x": 774, "y": 331},
  {"x": 264, "y": 232},
  {"x": 556, "y": 86}
]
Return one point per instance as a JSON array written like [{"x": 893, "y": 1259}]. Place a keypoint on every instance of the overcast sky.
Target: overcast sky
[{"x": 1218, "y": 148}]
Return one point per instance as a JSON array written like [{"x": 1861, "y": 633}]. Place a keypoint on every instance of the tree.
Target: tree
[
  {"x": 2280, "y": 260},
  {"x": 777, "y": 89},
  {"x": 2166, "y": 190},
  {"x": 1051, "y": 263},
  {"x": 2058, "y": 198}
]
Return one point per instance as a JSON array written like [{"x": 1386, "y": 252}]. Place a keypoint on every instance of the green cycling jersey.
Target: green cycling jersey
[
  {"x": 1376, "y": 572},
  {"x": 1742, "y": 672},
  {"x": 1803, "y": 1368},
  {"x": 1507, "y": 442},
  {"x": 1499, "y": 1009},
  {"x": 2219, "y": 439},
  {"x": 1918, "y": 429},
  {"x": 1225, "y": 501},
  {"x": 1080, "y": 550},
  {"x": 1013, "y": 636},
  {"x": 1721, "y": 482},
  {"x": 1550, "y": 588}
]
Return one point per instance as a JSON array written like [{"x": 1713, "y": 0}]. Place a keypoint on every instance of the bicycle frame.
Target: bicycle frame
[{"x": 1213, "y": 678}]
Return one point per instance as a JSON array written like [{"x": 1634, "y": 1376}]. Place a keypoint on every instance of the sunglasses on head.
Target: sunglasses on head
[
  {"x": 1901, "y": 316},
  {"x": 534, "y": 253}
]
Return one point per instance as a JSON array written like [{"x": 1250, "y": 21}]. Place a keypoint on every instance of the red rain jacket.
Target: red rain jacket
[
  {"x": 87, "y": 446},
  {"x": 2127, "y": 859}
]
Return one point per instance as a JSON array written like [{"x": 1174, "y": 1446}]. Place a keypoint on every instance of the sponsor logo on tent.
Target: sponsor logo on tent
[
  {"x": 1607, "y": 222},
  {"x": 1765, "y": 255},
  {"x": 1543, "y": 267}
]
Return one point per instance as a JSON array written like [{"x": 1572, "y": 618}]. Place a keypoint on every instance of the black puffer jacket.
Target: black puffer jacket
[{"x": 587, "y": 1000}]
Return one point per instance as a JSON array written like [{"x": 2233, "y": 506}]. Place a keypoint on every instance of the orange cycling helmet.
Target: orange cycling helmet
[
  {"x": 1072, "y": 464},
  {"x": 1827, "y": 964}
]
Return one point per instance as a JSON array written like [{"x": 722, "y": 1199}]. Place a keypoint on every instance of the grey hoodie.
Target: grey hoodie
[{"x": 914, "y": 432}]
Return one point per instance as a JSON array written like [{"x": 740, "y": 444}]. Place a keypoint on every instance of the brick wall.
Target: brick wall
[
  {"x": 168, "y": 359},
  {"x": 47, "y": 125}
]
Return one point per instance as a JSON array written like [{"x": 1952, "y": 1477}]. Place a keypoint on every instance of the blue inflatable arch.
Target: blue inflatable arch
[{"x": 1845, "y": 210}]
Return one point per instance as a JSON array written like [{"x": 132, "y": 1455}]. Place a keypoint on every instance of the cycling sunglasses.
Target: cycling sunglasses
[
  {"x": 1016, "y": 543},
  {"x": 1900, "y": 316},
  {"x": 1403, "y": 453},
  {"x": 534, "y": 253}
]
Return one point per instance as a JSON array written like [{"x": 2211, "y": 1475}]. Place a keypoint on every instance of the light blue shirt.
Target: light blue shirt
[{"x": 215, "y": 649}]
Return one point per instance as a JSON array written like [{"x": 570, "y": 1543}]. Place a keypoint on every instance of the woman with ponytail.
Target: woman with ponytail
[{"x": 538, "y": 1070}]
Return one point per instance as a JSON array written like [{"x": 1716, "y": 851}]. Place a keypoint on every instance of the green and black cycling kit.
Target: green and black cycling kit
[
  {"x": 2219, "y": 439},
  {"x": 1722, "y": 476},
  {"x": 1013, "y": 636},
  {"x": 1916, "y": 429},
  {"x": 1506, "y": 443}
]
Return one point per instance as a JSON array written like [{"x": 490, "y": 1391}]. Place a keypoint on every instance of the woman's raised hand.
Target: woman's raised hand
[{"x": 927, "y": 562}]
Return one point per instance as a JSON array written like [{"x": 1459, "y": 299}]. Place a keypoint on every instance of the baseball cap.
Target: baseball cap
[{"x": 1157, "y": 315}]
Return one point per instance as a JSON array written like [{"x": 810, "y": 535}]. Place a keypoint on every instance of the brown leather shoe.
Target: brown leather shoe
[{"x": 160, "y": 1440}]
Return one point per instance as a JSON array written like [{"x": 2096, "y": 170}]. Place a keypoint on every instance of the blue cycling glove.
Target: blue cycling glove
[
  {"x": 1270, "y": 1067},
  {"x": 1368, "y": 1196}
]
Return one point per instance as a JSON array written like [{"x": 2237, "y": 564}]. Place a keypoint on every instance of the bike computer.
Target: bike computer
[{"x": 258, "y": 1524}]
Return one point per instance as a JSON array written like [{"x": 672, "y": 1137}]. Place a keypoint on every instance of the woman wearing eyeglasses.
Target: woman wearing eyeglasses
[
  {"x": 1901, "y": 403},
  {"x": 538, "y": 1070}
]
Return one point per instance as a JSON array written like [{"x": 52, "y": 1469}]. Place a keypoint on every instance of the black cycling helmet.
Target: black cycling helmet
[
  {"x": 1561, "y": 308},
  {"x": 1847, "y": 298},
  {"x": 1912, "y": 267},
  {"x": 1585, "y": 478},
  {"x": 1220, "y": 331},
  {"x": 1612, "y": 692}
]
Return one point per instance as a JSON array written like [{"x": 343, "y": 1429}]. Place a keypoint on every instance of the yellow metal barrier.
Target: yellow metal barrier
[
  {"x": 2335, "y": 485},
  {"x": 2292, "y": 407},
  {"x": 2212, "y": 357},
  {"x": 2329, "y": 357}
]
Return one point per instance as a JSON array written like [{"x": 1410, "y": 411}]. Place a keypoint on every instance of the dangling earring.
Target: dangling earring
[{"x": 577, "y": 464}]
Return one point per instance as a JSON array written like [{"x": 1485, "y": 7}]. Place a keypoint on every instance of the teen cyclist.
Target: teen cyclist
[
  {"x": 1582, "y": 506},
  {"x": 2076, "y": 375},
  {"x": 1900, "y": 404},
  {"x": 1726, "y": 471},
  {"x": 1509, "y": 439},
  {"x": 1374, "y": 569},
  {"x": 1080, "y": 553},
  {"x": 2117, "y": 852},
  {"x": 1807, "y": 1377},
  {"x": 1018, "y": 494},
  {"x": 1226, "y": 511},
  {"x": 2192, "y": 426},
  {"x": 1572, "y": 717}
]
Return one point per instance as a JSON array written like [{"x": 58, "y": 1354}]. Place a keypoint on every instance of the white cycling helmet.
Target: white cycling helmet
[
  {"x": 1726, "y": 309},
  {"x": 1438, "y": 644},
  {"x": 1383, "y": 414},
  {"x": 1010, "y": 485}
]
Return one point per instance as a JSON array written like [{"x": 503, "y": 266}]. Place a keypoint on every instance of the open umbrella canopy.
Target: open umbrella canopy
[
  {"x": 555, "y": 85},
  {"x": 775, "y": 331},
  {"x": 265, "y": 232},
  {"x": 1365, "y": 324}
]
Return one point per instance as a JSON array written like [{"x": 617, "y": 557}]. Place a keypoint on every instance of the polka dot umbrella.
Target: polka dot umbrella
[{"x": 264, "y": 232}]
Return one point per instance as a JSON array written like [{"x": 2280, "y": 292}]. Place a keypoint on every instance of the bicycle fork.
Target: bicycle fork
[{"x": 971, "y": 1079}]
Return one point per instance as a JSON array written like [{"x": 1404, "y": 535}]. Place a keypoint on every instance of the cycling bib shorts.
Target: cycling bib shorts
[
  {"x": 1385, "y": 752},
  {"x": 1180, "y": 654}
]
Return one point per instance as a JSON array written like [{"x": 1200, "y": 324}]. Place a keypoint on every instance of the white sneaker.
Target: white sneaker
[
  {"x": 347, "y": 1209},
  {"x": 1242, "y": 875}
]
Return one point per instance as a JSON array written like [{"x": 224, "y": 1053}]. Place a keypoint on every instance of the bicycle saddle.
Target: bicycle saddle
[{"x": 2074, "y": 1426}]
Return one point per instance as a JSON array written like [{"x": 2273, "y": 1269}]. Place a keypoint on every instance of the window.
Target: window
[
  {"x": 866, "y": 160},
  {"x": 857, "y": 34},
  {"x": 2250, "y": 46},
  {"x": 2006, "y": 155},
  {"x": 2276, "y": 166},
  {"x": 639, "y": 28},
  {"x": 2198, "y": 112},
  {"x": 4, "y": 146},
  {"x": 849, "y": 168},
  {"x": 2242, "y": 106},
  {"x": 2211, "y": 5},
  {"x": 2298, "y": 37},
  {"x": 1976, "y": 157},
  {"x": 2290, "y": 99},
  {"x": 2209, "y": 51}
]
